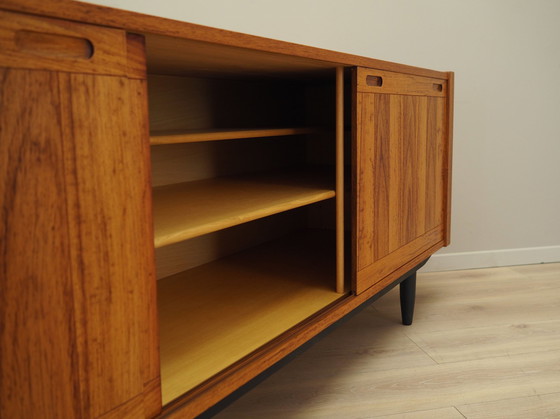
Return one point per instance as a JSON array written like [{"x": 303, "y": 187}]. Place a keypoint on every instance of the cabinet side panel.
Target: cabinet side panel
[
  {"x": 38, "y": 361},
  {"x": 111, "y": 238},
  {"x": 448, "y": 158}
]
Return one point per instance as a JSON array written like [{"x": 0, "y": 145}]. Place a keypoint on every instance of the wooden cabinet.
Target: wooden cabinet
[{"x": 182, "y": 207}]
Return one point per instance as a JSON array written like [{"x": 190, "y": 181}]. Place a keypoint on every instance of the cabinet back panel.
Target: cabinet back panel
[
  {"x": 195, "y": 161},
  {"x": 188, "y": 103},
  {"x": 188, "y": 254},
  {"x": 322, "y": 215}
]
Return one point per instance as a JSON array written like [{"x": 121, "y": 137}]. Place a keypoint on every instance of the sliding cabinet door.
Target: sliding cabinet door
[
  {"x": 77, "y": 287},
  {"x": 401, "y": 172}
]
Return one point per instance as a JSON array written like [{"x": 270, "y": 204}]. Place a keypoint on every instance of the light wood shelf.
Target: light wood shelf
[
  {"x": 186, "y": 210},
  {"x": 177, "y": 137},
  {"x": 214, "y": 315}
]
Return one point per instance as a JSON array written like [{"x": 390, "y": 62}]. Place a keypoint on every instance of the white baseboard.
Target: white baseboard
[{"x": 492, "y": 258}]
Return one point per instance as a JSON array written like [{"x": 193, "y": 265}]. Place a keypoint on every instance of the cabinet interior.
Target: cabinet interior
[{"x": 244, "y": 199}]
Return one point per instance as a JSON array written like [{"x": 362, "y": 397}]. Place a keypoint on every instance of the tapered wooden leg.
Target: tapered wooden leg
[{"x": 408, "y": 295}]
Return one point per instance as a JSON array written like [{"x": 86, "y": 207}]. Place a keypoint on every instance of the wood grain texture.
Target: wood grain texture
[
  {"x": 124, "y": 354},
  {"x": 132, "y": 408},
  {"x": 400, "y": 83},
  {"x": 135, "y": 22},
  {"x": 466, "y": 344},
  {"x": 539, "y": 406},
  {"x": 438, "y": 136},
  {"x": 366, "y": 170},
  {"x": 400, "y": 180},
  {"x": 151, "y": 398},
  {"x": 214, "y": 315},
  {"x": 50, "y": 44},
  {"x": 442, "y": 413},
  {"x": 38, "y": 331},
  {"x": 150, "y": 360},
  {"x": 375, "y": 272},
  {"x": 379, "y": 157},
  {"x": 397, "y": 196},
  {"x": 158, "y": 138},
  {"x": 135, "y": 56},
  {"x": 83, "y": 353},
  {"x": 434, "y": 163},
  {"x": 139, "y": 137},
  {"x": 188, "y": 210},
  {"x": 75, "y": 279}
]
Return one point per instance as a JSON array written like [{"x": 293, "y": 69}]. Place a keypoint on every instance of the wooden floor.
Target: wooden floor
[{"x": 485, "y": 343}]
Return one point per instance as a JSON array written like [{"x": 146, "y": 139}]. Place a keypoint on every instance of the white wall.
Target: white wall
[{"x": 506, "y": 56}]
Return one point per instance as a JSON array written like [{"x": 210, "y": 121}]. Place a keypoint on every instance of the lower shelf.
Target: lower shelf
[{"x": 214, "y": 315}]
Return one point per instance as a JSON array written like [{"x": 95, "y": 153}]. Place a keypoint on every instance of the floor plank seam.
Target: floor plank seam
[
  {"x": 496, "y": 325},
  {"x": 407, "y": 412},
  {"x": 505, "y": 355},
  {"x": 507, "y": 399},
  {"x": 422, "y": 349},
  {"x": 458, "y": 411}
]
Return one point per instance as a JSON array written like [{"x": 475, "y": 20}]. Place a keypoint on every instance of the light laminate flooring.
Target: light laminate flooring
[{"x": 485, "y": 343}]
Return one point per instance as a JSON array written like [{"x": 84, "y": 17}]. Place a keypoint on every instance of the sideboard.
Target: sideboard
[{"x": 183, "y": 206}]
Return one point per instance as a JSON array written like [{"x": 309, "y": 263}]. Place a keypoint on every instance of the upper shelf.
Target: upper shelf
[
  {"x": 186, "y": 210},
  {"x": 177, "y": 137}
]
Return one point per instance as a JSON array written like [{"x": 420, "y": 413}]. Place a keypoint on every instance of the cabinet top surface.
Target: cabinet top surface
[{"x": 166, "y": 39}]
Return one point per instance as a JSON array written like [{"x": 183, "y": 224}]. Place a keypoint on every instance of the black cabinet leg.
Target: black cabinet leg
[{"x": 408, "y": 295}]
